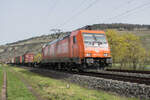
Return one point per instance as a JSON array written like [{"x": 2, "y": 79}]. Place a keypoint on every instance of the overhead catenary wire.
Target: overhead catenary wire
[
  {"x": 127, "y": 12},
  {"x": 128, "y": 15},
  {"x": 134, "y": 12},
  {"x": 89, "y": 6},
  {"x": 123, "y": 4},
  {"x": 131, "y": 10},
  {"x": 79, "y": 6},
  {"x": 85, "y": 9},
  {"x": 79, "y": 13},
  {"x": 52, "y": 8},
  {"x": 120, "y": 6},
  {"x": 76, "y": 8}
]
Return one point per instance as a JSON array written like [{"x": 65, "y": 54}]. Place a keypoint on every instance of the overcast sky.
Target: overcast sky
[{"x": 22, "y": 19}]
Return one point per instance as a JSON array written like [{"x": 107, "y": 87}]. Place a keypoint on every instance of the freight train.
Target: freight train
[
  {"x": 26, "y": 59},
  {"x": 81, "y": 49}
]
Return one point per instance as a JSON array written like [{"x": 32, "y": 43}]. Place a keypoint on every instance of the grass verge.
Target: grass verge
[
  {"x": 16, "y": 90},
  {"x": 53, "y": 89}
]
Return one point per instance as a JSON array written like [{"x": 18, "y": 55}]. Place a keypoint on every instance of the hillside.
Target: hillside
[
  {"x": 35, "y": 44},
  {"x": 144, "y": 36}
]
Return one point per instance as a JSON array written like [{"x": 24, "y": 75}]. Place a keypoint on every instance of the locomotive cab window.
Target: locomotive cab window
[
  {"x": 93, "y": 39},
  {"x": 74, "y": 39}
]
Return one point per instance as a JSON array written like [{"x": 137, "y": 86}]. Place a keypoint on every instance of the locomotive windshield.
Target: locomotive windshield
[{"x": 93, "y": 39}]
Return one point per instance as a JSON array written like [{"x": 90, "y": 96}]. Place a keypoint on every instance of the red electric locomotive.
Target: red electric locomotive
[{"x": 80, "y": 49}]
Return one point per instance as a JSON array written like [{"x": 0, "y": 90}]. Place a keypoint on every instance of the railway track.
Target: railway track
[
  {"x": 128, "y": 71},
  {"x": 118, "y": 77},
  {"x": 127, "y": 86},
  {"x": 132, "y": 79}
]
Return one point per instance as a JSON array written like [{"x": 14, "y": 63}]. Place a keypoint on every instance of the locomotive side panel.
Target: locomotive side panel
[
  {"x": 45, "y": 52},
  {"x": 62, "y": 48},
  {"x": 73, "y": 45},
  {"x": 57, "y": 51},
  {"x": 80, "y": 45},
  {"x": 76, "y": 47}
]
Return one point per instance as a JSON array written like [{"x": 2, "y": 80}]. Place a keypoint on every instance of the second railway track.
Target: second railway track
[
  {"x": 129, "y": 71},
  {"x": 118, "y": 77}
]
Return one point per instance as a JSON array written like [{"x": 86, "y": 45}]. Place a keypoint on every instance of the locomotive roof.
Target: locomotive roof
[
  {"x": 56, "y": 40},
  {"x": 68, "y": 34},
  {"x": 93, "y": 31}
]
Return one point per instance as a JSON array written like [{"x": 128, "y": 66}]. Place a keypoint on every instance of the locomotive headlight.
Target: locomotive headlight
[
  {"x": 105, "y": 54},
  {"x": 88, "y": 54}
]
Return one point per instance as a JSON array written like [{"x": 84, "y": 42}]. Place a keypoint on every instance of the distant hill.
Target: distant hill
[
  {"x": 35, "y": 44},
  {"x": 118, "y": 26}
]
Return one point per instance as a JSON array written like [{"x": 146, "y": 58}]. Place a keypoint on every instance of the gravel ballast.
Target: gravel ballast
[
  {"x": 122, "y": 88},
  {"x": 119, "y": 87}
]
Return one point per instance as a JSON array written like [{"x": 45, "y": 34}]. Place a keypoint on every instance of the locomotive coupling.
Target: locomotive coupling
[
  {"x": 89, "y": 60},
  {"x": 109, "y": 61}
]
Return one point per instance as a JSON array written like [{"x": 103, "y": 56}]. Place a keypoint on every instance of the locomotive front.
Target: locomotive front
[{"x": 96, "y": 49}]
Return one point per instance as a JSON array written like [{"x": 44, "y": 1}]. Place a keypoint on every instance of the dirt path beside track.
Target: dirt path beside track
[
  {"x": 4, "y": 88},
  {"x": 29, "y": 87}
]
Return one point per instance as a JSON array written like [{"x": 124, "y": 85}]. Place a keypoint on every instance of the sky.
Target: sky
[{"x": 22, "y": 19}]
